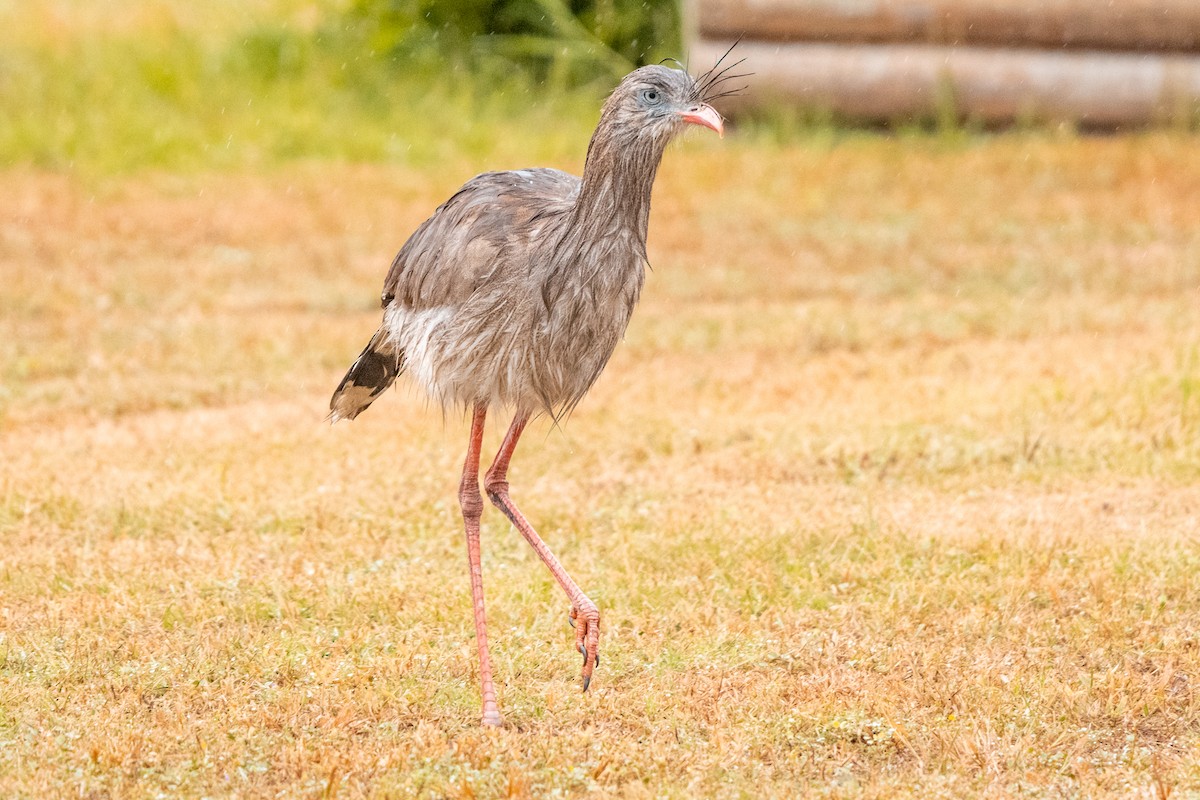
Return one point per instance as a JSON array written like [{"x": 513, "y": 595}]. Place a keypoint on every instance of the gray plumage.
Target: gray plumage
[
  {"x": 518, "y": 288},
  {"x": 515, "y": 292}
]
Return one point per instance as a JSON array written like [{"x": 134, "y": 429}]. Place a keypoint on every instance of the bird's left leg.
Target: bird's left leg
[
  {"x": 472, "y": 509},
  {"x": 584, "y": 614}
]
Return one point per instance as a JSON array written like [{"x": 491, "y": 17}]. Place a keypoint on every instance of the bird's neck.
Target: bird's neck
[{"x": 617, "y": 179}]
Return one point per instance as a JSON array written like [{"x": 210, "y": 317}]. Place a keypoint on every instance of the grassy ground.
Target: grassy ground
[
  {"x": 892, "y": 490},
  {"x": 235, "y": 84}
]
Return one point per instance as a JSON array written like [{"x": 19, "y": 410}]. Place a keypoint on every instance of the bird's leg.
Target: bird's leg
[
  {"x": 585, "y": 617},
  {"x": 472, "y": 509}
]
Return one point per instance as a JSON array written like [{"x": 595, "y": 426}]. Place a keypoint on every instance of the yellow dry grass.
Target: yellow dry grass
[{"x": 892, "y": 490}]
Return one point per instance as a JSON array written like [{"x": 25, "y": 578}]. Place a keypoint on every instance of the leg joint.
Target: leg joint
[
  {"x": 471, "y": 501},
  {"x": 495, "y": 487}
]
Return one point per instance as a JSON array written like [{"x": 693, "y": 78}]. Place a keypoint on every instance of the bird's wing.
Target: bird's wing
[{"x": 486, "y": 227}]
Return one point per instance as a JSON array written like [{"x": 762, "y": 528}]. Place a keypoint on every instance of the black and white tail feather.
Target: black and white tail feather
[{"x": 375, "y": 369}]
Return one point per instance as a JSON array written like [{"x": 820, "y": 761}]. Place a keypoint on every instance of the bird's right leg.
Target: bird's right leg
[
  {"x": 585, "y": 617},
  {"x": 472, "y": 509}
]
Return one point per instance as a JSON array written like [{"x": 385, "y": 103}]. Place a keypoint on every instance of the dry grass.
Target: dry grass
[{"x": 892, "y": 490}]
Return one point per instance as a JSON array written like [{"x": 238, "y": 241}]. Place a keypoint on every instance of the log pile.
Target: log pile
[{"x": 1096, "y": 62}]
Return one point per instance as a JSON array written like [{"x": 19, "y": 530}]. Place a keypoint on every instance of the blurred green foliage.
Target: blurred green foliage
[
  {"x": 567, "y": 43},
  {"x": 176, "y": 86}
]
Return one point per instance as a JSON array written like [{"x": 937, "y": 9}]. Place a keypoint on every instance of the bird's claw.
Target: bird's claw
[{"x": 585, "y": 619}]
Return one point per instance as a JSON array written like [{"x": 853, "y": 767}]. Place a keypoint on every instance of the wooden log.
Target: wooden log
[
  {"x": 1156, "y": 25},
  {"x": 894, "y": 81}
]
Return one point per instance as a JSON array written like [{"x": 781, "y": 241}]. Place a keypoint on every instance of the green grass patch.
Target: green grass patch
[{"x": 178, "y": 98}]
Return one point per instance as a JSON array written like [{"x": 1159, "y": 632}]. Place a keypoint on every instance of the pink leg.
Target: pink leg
[
  {"x": 584, "y": 614},
  {"x": 472, "y": 509}
]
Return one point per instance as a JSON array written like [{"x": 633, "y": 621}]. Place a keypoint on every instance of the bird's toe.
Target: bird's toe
[{"x": 586, "y": 619}]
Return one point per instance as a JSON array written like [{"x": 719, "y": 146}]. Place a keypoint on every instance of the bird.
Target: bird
[{"x": 514, "y": 294}]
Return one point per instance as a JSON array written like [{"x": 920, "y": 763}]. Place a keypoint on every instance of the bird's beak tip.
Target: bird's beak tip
[{"x": 706, "y": 115}]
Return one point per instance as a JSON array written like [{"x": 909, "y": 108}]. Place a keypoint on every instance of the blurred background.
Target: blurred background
[
  {"x": 107, "y": 86},
  {"x": 174, "y": 84}
]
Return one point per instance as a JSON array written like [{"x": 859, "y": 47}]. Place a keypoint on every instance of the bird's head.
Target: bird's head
[
  {"x": 649, "y": 107},
  {"x": 656, "y": 102}
]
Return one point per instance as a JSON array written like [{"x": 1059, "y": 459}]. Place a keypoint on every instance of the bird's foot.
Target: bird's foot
[
  {"x": 492, "y": 718},
  {"x": 585, "y": 619}
]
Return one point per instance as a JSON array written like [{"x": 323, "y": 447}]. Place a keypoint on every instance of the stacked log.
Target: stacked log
[{"x": 1097, "y": 62}]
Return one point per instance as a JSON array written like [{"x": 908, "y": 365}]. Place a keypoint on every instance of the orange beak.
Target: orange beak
[{"x": 706, "y": 115}]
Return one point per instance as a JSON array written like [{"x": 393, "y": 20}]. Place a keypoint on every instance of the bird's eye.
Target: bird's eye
[{"x": 651, "y": 96}]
